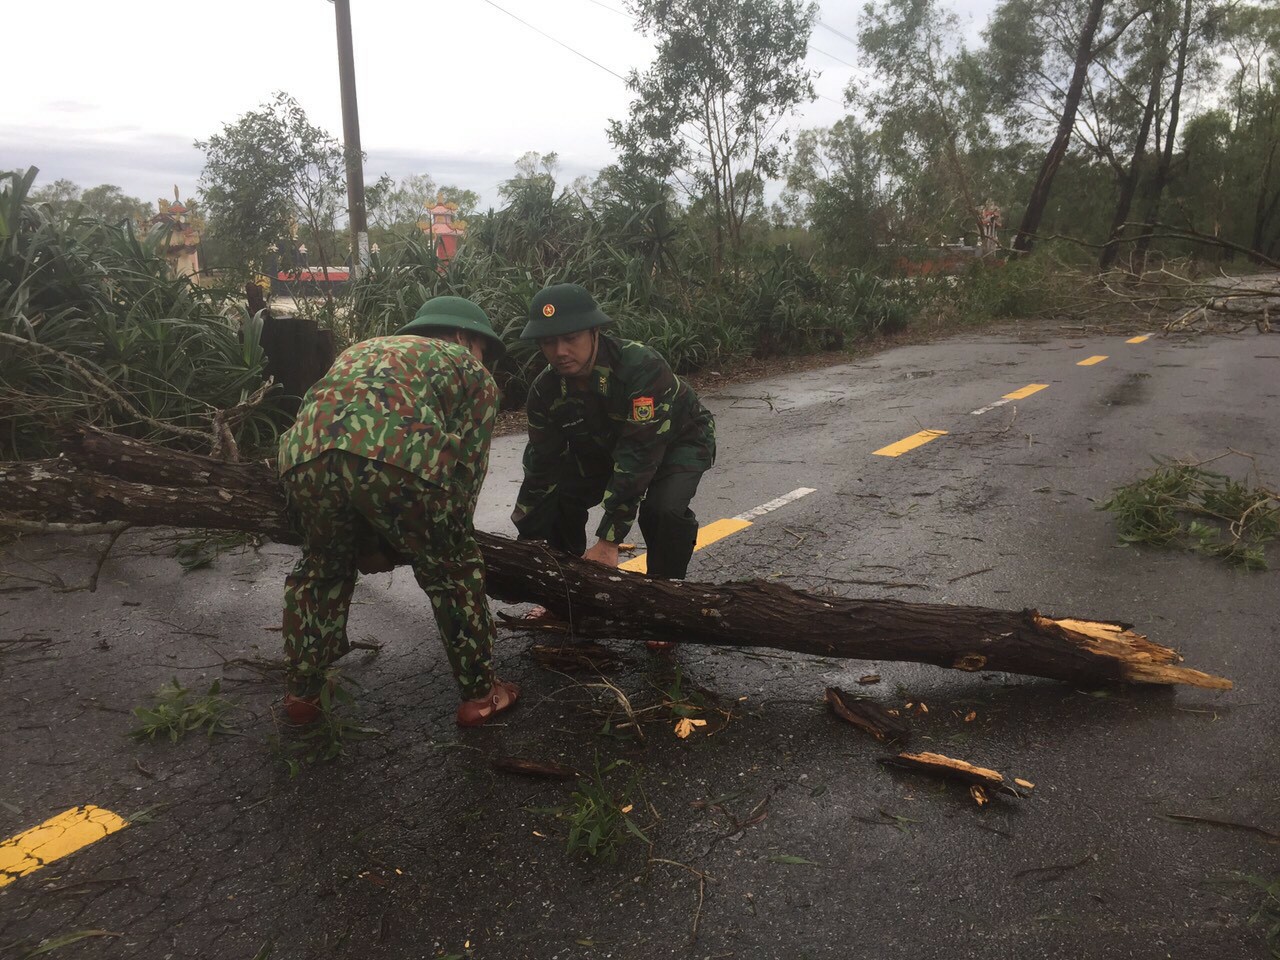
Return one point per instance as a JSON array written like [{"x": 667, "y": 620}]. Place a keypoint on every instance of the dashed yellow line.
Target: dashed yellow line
[
  {"x": 54, "y": 839},
  {"x": 1026, "y": 391},
  {"x": 1145, "y": 336},
  {"x": 909, "y": 443},
  {"x": 1090, "y": 361},
  {"x": 717, "y": 530}
]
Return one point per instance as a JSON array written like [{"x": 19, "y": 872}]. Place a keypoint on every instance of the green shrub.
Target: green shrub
[
  {"x": 1022, "y": 287},
  {"x": 96, "y": 329}
]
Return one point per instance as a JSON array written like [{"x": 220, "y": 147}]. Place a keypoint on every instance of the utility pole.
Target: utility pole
[{"x": 351, "y": 141}]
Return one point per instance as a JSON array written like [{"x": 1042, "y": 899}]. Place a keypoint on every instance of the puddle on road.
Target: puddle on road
[{"x": 1132, "y": 390}]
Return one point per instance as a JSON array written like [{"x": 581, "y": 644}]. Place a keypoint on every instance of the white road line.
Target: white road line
[
  {"x": 772, "y": 505},
  {"x": 990, "y": 406}
]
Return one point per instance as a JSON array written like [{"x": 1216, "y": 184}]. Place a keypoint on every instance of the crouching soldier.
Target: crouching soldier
[
  {"x": 609, "y": 424},
  {"x": 386, "y": 459}
]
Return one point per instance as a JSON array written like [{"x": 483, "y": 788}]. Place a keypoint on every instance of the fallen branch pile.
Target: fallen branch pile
[{"x": 103, "y": 478}]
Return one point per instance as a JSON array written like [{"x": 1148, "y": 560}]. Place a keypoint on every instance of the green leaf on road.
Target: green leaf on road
[
  {"x": 789, "y": 859},
  {"x": 67, "y": 939}
]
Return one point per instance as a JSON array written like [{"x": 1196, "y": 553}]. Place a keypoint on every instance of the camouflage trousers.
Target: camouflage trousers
[
  {"x": 342, "y": 505},
  {"x": 670, "y": 528}
]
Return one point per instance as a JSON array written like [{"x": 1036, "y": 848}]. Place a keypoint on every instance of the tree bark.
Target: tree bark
[
  {"x": 1170, "y": 135},
  {"x": 1263, "y": 210},
  {"x": 1129, "y": 184},
  {"x": 102, "y": 477},
  {"x": 1048, "y": 170}
]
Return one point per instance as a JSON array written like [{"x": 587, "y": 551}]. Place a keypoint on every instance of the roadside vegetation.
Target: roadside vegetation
[
  {"x": 1116, "y": 176},
  {"x": 95, "y": 328}
]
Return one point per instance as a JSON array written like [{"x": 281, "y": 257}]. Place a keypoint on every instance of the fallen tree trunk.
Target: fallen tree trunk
[{"x": 102, "y": 477}]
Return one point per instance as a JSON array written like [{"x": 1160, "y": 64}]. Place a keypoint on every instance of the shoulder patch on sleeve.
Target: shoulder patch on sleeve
[{"x": 642, "y": 409}]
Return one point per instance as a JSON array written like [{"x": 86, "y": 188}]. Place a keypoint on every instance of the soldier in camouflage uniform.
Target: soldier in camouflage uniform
[
  {"x": 387, "y": 456},
  {"x": 609, "y": 423}
]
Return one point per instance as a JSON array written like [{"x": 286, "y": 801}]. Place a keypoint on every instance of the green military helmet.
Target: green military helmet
[
  {"x": 562, "y": 308},
  {"x": 455, "y": 313}
]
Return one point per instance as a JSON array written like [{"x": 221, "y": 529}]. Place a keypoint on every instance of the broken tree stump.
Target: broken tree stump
[
  {"x": 103, "y": 477},
  {"x": 298, "y": 353}
]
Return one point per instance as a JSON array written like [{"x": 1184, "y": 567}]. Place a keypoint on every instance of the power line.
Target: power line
[
  {"x": 842, "y": 36},
  {"x": 833, "y": 57},
  {"x": 621, "y": 13},
  {"x": 691, "y": 139},
  {"x": 555, "y": 41},
  {"x": 612, "y": 73}
]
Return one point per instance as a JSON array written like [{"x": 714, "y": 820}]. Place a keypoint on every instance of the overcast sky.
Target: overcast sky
[{"x": 117, "y": 92}]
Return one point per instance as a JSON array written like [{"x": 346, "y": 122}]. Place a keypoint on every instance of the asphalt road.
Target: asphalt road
[{"x": 774, "y": 831}]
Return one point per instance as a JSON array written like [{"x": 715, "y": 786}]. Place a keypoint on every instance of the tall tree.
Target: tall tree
[
  {"x": 269, "y": 173},
  {"x": 399, "y": 203},
  {"x": 1160, "y": 181},
  {"x": 836, "y": 176},
  {"x": 1041, "y": 53},
  {"x": 1084, "y": 53},
  {"x": 707, "y": 113},
  {"x": 1152, "y": 47},
  {"x": 105, "y": 201},
  {"x": 929, "y": 111},
  {"x": 404, "y": 203},
  {"x": 1255, "y": 42}
]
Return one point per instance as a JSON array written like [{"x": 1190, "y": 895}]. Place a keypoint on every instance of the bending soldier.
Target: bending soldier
[
  {"x": 388, "y": 453},
  {"x": 609, "y": 423}
]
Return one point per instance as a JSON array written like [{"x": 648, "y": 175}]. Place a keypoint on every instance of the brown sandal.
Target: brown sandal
[
  {"x": 301, "y": 710},
  {"x": 502, "y": 696}
]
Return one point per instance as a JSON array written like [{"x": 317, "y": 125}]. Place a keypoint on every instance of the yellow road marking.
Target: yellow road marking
[
  {"x": 1026, "y": 391},
  {"x": 716, "y": 530},
  {"x": 909, "y": 443},
  {"x": 1145, "y": 336},
  {"x": 54, "y": 839},
  {"x": 1090, "y": 361}
]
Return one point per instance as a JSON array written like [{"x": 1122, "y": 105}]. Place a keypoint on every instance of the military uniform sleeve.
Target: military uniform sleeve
[
  {"x": 652, "y": 389},
  {"x": 543, "y": 454},
  {"x": 477, "y": 410}
]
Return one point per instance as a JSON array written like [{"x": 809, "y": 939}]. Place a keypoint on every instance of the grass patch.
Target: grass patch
[
  {"x": 1183, "y": 506},
  {"x": 1263, "y": 897},
  {"x": 202, "y": 548},
  {"x": 328, "y": 738},
  {"x": 1267, "y": 912},
  {"x": 177, "y": 711},
  {"x": 599, "y": 815},
  {"x": 66, "y": 940}
]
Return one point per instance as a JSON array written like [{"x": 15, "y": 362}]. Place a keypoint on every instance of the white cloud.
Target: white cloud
[{"x": 455, "y": 90}]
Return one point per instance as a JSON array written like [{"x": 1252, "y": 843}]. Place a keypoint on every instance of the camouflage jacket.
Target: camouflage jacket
[
  {"x": 420, "y": 404},
  {"x": 635, "y": 417}
]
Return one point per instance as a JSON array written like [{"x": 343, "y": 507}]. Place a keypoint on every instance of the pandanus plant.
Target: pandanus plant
[{"x": 96, "y": 328}]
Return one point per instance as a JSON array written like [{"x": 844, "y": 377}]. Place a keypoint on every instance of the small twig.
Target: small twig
[
  {"x": 971, "y": 573},
  {"x": 1054, "y": 870},
  {"x": 1008, "y": 426},
  {"x": 702, "y": 886},
  {"x": 102, "y": 559},
  {"x": 623, "y": 701},
  {"x": 1229, "y": 824}
]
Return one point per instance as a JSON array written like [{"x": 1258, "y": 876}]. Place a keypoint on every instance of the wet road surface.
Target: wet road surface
[{"x": 774, "y": 831}]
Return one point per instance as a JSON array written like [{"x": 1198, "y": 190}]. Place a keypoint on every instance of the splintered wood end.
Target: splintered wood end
[{"x": 1139, "y": 659}]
